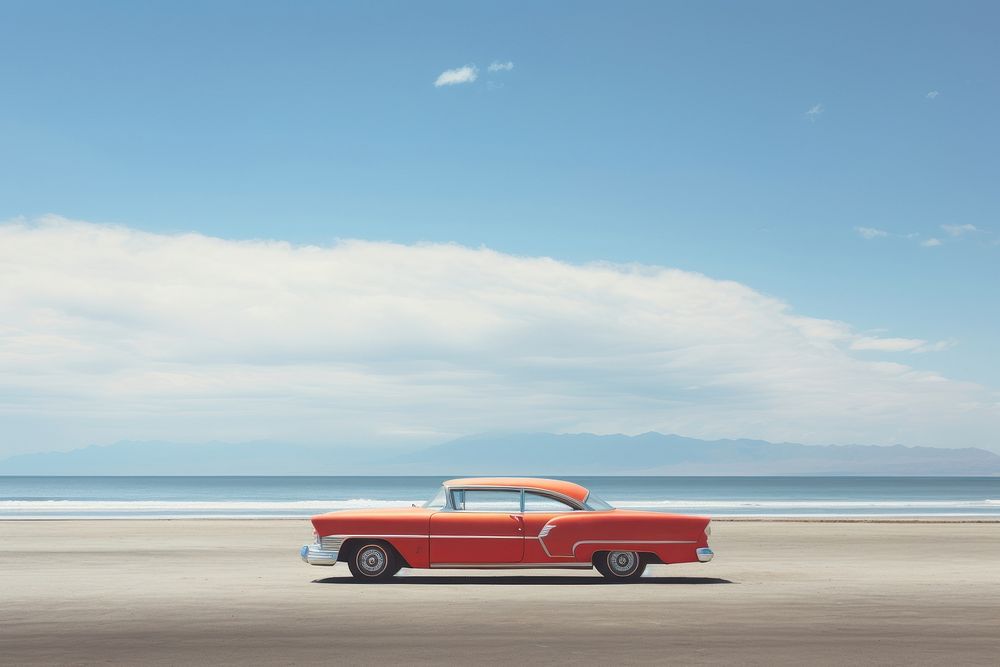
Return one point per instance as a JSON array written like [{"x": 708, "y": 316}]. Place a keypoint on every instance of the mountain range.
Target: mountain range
[{"x": 512, "y": 454}]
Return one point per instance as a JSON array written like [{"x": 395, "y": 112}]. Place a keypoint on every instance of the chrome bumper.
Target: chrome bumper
[
  {"x": 315, "y": 554},
  {"x": 704, "y": 554}
]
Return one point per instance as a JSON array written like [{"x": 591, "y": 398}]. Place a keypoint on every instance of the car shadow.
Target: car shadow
[{"x": 526, "y": 580}]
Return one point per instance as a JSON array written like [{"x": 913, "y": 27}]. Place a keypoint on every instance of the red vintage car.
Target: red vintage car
[{"x": 491, "y": 523}]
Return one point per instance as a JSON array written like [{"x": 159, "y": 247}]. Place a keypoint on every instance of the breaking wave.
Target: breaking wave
[{"x": 161, "y": 508}]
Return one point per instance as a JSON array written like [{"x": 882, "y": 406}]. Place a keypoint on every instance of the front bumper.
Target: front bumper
[
  {"x": 704, "y": 554},
  {"x": 315, "y": 554}
]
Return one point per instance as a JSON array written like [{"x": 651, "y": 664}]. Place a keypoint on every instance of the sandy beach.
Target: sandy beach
[{"x": 234, "y": 592}]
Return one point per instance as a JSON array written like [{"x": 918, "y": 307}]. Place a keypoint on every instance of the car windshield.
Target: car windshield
[
  {"x": 598, "y": 504},
  {"x": 437, "y": 502}
]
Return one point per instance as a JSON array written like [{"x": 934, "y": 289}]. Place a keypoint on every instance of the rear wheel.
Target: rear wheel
[
  {"x": 374, "y": 561},
  {"x": 620, "y": 565}
]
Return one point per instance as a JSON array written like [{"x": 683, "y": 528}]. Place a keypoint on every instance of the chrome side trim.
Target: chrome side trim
[
  {"x": 624, "y": 541},
  {"x": 372, "y": 536},
  {"x": 332, "y": 539},
  {"x": 512, "y": 566},
  {"x": 479, "y": 537},
  {"x": 338, "y": 540}
]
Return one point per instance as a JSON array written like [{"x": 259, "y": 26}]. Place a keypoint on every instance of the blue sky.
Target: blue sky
[{"x": 669, "y": 134}]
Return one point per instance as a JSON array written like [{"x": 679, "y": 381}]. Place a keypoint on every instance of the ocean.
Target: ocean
[{"x": 291, "y": 497}]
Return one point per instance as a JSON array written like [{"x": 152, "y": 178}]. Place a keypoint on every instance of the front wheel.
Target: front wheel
[
  {"x": 374, "y": 562},
  {"x": 620, "y": 565}
]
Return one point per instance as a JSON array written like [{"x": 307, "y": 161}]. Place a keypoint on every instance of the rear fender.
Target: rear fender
[{"x": 671, "y": 538}]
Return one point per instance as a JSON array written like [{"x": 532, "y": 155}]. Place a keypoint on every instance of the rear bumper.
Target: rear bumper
[
  {"x": 314, "y": 554},
  {"x": 704, "y": 554}
]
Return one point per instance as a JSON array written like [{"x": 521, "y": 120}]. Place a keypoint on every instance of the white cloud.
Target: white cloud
[
  {"x": 959, "y": 230},
  {"x": 814, "y": 112},
  {"x": 496, "y": 66},
  {"x": 939, "y": 346},
  {"x": 951, "y": 230},
  {"x": 451, "y": 77},
  {"x": 871, "y": 232},
  {"x": 111, "y": 333},
  {"x": 932, "y": 95},
  {"x": 898, "y": 344}
]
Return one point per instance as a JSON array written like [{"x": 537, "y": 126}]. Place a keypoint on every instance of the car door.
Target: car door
[
  {"x": 539, "y": 510},
  {"x": 480, "y": 526}
]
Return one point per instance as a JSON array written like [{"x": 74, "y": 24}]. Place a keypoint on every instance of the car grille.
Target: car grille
[{"x": 331, "y": 543}]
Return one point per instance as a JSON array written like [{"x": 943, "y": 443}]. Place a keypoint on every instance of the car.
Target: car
[{"x": 506, "y": 522}]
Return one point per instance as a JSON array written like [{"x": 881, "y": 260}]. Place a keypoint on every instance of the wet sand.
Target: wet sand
[{"x": 234, "y": 592}]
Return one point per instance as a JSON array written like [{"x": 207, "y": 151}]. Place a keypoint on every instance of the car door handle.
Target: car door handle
[{"x": 520, "y": 521}]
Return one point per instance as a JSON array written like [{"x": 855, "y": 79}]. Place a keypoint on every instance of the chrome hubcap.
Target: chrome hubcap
[
  {"x": 623, "y": 563},
  {"x": 371, "y": 560}
]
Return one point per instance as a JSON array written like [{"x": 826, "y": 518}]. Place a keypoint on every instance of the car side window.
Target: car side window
[
  {"x": 485, "y": 500},
  {"x": 537, "y": 502},
  {"x": 438, "y": 501}
]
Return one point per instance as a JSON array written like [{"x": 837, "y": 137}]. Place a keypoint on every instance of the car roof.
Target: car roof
[{"x": 569, "y": 489}]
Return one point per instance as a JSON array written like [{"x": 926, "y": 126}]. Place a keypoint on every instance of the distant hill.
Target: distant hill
[
  {"x": 659, "y": 454},
  {"x": 524, "y": 453}
]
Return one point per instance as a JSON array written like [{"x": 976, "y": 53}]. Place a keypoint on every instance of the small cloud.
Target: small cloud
[
  {"x": 871, "y": 232},
  {"x": 954, "y": 231},
  {"x": 814, "y": 112},
  {"x": 932, "y": 95},
  {"x": 959, "y": 230},
  {"x": 939, "y": 346},
  {"x": 451, "y": 77},
  {"x": 888, "y": 344},
  {"x": 876, "y": 344},
  {"x": 496, "y": 66}
]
